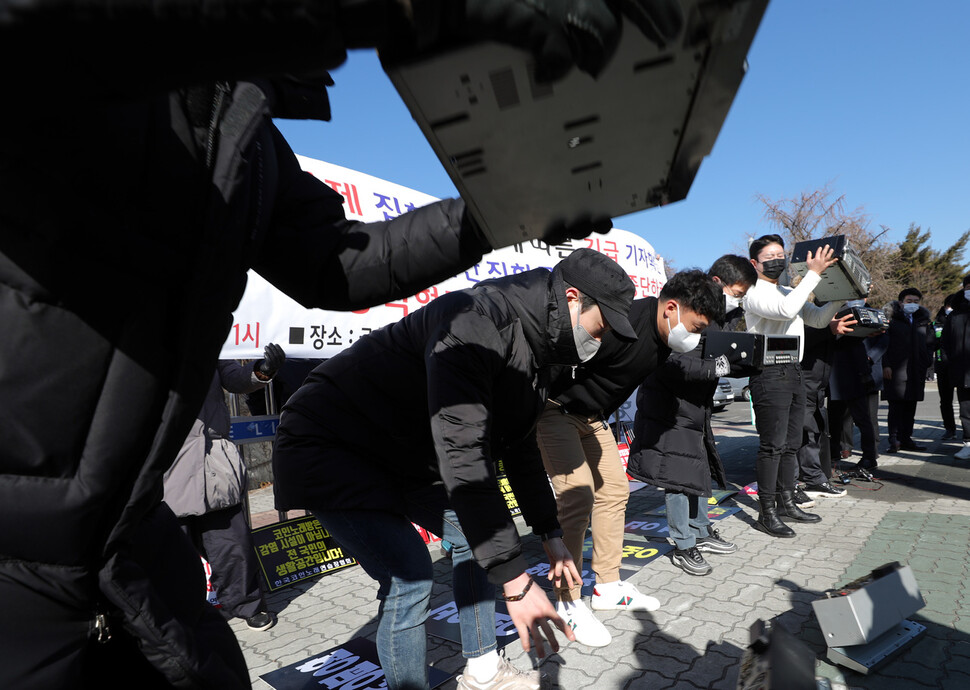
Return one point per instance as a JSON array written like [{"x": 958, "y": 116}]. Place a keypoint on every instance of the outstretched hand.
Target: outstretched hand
[
  {"x": 532, "y": 616},
  {"x": 823, "y": 258}
]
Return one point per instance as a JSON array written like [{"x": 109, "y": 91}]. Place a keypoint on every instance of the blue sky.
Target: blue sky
[{"x": 870, "y": 97}]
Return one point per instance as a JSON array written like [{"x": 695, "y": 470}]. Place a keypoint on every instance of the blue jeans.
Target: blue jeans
[
  {"x": 686, "y": 518},
  {"x": 392, "y": 552}
]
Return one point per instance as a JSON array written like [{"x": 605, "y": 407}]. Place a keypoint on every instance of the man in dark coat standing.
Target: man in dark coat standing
[
  {"x": 854, "y": 394},
  {"x": 207, "y": 483},
  {"x": 944, "y": 383},
  {"x": 956, "y": 346},
  {"x": 904, "y": 366},
  {"x": 674, "y": 445},
  {"x": 141, "y": 177},
  {"x": 407, "y": 425}
]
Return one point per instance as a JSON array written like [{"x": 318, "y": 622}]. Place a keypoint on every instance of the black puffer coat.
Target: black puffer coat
[
  {"x": 956, "y": 341},
  {"x": 909, "y": 354},
  {"x": 128, "y": 222},
  {"x": 436, "y": 397},
  {"x": 673, "y": 445}
]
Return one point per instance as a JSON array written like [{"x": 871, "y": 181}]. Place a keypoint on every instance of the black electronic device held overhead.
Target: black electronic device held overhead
[
  {"x": 847, "y": 279},
  {"x": 529, "y": 157}
]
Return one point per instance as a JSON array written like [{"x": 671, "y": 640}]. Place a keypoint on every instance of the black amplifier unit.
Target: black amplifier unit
[
  {"x": 870, "y": 320},
  {"x": 847, "y": 279},
  {"x": 752, "y": 350}
]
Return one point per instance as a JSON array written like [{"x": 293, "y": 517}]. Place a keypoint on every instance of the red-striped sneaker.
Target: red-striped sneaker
[{"x": 621, "y": 596}]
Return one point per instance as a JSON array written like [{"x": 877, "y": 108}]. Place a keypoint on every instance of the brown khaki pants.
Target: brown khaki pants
[{"x": 582, "y": 460}]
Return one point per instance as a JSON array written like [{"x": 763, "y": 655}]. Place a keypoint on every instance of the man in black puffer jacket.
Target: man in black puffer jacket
[
  {"x": 407, "y": 425},
  {"x": 674, "y": 445},
  {"x": 955, "y": 343},
  {"x": 141, "y": 177}
]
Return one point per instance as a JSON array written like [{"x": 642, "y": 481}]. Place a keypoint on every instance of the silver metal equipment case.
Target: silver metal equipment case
[{"x": 529, "y": 158}]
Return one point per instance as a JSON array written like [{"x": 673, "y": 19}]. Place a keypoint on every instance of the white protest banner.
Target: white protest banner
[{"x": 266, "y": 315}]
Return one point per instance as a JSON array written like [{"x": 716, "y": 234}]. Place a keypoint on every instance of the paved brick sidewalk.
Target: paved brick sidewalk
[{"x": 917, "y": 514}]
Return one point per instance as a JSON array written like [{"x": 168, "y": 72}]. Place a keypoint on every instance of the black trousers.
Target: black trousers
[
  {"x": 814, "y": 457},
  {"x": 843, "y": 413},
  {"x": 778, "y": 398},
  {"x": 223, "y": 537},
  {"x": 946, "y": 386},
  {"x": 963, "y": 395},
  {"x": 900, "y": 419}
]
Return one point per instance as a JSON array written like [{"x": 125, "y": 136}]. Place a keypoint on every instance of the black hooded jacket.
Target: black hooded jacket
[
  {"x": 439, "y": 396},
  {"x": 909, "y": 354},
  {"x": 955, "y": 341},
  {"x": 130, "y": 215},
  {"x": 673, "y": 445}
]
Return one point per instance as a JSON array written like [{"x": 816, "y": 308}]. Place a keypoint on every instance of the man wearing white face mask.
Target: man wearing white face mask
[
  {"x": 674, "y": 446},
  {"x": 778, "y": 391},
  {"x": 580, "y": 454},
  {"x": 955, "y": 343},
  {"x": 904, "y": 367}
]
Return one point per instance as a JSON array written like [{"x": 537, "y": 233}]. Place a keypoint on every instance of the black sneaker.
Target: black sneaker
[
  {"x": 823, "y": 490},
  {"x": 261, "y": 621},
  {"x": 949, "y": 434},
  {"x": 691, "y": 561},
  {"x": 801, "y": 500},
  {"x": 714, "y": 543}
]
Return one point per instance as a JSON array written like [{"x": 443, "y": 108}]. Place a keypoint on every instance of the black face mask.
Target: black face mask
[{"x": 773, "y": 268}]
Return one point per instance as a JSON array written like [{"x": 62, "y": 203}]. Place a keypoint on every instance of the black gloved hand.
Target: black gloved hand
[
  {"x": 273, "y": 359},
  {"x": 561, "y": 33},
  {"x": 577, "y": 231}
]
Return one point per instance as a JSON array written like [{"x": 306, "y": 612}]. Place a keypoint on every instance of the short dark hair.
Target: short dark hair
[
  {"x": 909, "y": 291},
  {"x": 694, "y": 290},
  {"x": 966, "y": 279},
  {"x": 757, "y": 245},
  {"x": 732, "y": 269}
]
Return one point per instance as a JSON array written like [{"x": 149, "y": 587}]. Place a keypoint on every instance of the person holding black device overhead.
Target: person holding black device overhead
[{"x": 778, "y": 390}]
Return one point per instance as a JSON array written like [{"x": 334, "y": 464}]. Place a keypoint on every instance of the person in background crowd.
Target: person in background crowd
[
  {"x": 944, "y": 385},
  {"x": 406, "y": 425},
  {"x": 778, "y": 390},
  {"x": 956, "y": 346},
  {"x": 911, "y": 340},
  {"x": 205, "y": 487},
  {"x": 854, "y": 394},
  {"x": 580, "y": 454},
  {"x": 814, "y": 457},
  {"x": 674, "y": 446},
  {"x": 286, "y": 382},
  {"x": 170, "y": 155}
]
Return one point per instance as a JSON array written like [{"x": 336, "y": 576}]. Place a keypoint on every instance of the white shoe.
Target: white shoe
[
  {"x": 621, "y": 596},
  {"x": 508, "y": 677},
  {"x": 963, "y": 453},
  {"x": 587, "y": 627}
]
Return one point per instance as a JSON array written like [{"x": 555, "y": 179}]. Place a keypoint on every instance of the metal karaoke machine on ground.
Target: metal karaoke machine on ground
[
  {"x": 847, "y": 279},
  {"x": 529, "y": 158}
]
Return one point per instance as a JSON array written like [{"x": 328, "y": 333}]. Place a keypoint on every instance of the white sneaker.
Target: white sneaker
[
  {"x": 621, "y": 596},
  {"x": 963, "y": 453},
  {"x": 587, "y": 627},
  {"x": 508, "y": 677}
]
